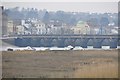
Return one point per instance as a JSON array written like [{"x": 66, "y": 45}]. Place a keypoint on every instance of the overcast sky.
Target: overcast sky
[{"x": 99, "y": 7}]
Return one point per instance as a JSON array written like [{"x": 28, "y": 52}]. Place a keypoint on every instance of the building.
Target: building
[
  {"x": 10, "y": 27},
  {"x": 39, "y": 28},
  {"x": 25, "y": 26},
  {"x": 20, "y": 30},
  {"x": 54, "y": 27},
  {"x": 81, "y": 28}
]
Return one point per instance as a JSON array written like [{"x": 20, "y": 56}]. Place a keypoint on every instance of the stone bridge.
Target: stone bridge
[
  {"x": 97, "y": 41},
  {"x": 64, "y": 40}
]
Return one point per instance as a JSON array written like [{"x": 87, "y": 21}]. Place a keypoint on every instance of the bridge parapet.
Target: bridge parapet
[{"x": 68, "y": 36}]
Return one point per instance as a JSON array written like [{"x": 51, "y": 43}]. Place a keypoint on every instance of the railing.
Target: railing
[
  {"x": 64, "y": 36},
  {"x": 60, "y": 36}
]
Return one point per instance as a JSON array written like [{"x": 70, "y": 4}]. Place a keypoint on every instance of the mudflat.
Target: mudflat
[{"x": 60, "y": 64}]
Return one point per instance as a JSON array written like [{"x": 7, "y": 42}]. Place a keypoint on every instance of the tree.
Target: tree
[
  {"x": 32, "y": 13},
  {"x": 93, "y": 22},
  {"x": 104, "y": 21},
  {"x": 46, "y": 17}
]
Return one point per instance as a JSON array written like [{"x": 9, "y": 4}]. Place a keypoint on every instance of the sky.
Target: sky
[{"x": 92, "y": 7}]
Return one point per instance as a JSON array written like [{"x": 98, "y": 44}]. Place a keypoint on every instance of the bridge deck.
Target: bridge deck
[
  {"x": 68, "y": 36},
  {"x": 61, "y": 36}
]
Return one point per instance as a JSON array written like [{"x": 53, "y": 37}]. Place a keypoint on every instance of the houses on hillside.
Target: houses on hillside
[
  {"x": 37, "y": 27},
  {"x": 81, "y": 28}
]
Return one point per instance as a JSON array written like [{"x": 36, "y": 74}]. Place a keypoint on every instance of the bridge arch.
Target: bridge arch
[
  {"x": 113, "y": 43},
  {"x": 19, "y": 42},
  {"x": 84, "y": 42},
  {"x": 90, "y": 42},
  {"x": 77, "y": 42},
  {"x": 42, "y": 42},
  {"x": 81, "y": 42},
  {"x": 106, "y": 42},
  {"x": 67, "y": 42},
  {"x": 54, "y": 42},
  {"x": 97, "y": 43},
  {"x": 25, "y": 42},
  {"x": 46, "y": 42},
  {"x": 61, "y": 42},
  {"x": 35, "y": 42}
]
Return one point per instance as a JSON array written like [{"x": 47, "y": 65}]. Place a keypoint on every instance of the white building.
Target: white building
[
  {"x": 10, "y": 27},
  {"x": 20, "y": 29},
  {"x": 81, "y": 28},
  {"x": 40, "y": 28},
  {"x": 54, "y": 27}
]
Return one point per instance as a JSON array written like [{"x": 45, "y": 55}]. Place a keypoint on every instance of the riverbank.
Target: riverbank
[{"x": 60, "y": 64}]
